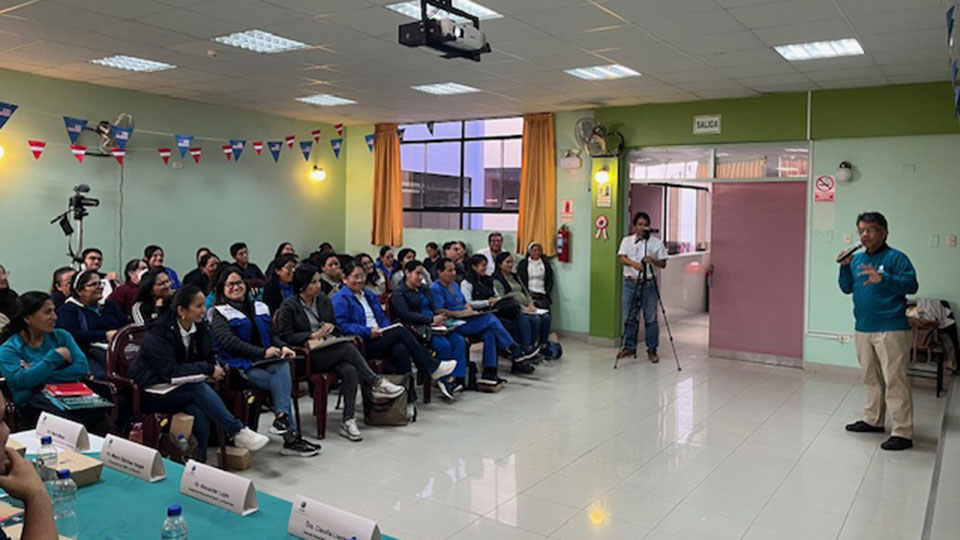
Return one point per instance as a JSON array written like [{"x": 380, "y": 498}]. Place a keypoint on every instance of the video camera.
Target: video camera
[{"x": 80, "y": 202}]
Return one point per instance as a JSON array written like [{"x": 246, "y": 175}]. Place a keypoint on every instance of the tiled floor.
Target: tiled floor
[{"x": 721, "y": 450}]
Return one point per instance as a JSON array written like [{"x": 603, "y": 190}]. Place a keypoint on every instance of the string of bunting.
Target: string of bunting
[{"x": 183, "y": 143}]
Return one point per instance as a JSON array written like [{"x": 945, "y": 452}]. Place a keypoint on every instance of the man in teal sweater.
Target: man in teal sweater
[{"x": 884, "y": 277}]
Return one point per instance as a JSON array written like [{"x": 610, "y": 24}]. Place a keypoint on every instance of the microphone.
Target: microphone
[
  {"x": 646, "y": 234},
  {"x": 848, "y": 252}
]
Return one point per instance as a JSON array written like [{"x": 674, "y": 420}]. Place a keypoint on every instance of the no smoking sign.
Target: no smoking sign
[{"x": 824, "y": 189}]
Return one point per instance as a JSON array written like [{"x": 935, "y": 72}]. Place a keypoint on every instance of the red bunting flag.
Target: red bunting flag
[
  {"x": 289, "y": 139},
  {"x": 316, "y": 135},
  {"x": 78, "y": 151},
  {"x": 227, "y": 151},
  {"x": 339, "y": 128},
  {"x": 164, "y": 155},
  {"x": 37, "y": 148},
  {"x": 118, "y": 154},
  {"x": 258, "y": 146},
  {"x": 195, "y": 152}
]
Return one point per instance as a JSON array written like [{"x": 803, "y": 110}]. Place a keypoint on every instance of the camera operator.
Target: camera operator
[{"x": 638, "y": 254}]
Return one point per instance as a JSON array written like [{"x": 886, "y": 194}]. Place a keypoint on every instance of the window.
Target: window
[
  {"x": 463, "y": 175},
  {"x": 685, "y": 223}
]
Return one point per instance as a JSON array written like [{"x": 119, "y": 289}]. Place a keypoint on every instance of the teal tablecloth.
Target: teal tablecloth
[{"x": 121, "y": 507}]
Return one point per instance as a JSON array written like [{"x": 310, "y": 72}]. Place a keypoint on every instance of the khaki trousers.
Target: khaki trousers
[{"x": 883, "y": 357}]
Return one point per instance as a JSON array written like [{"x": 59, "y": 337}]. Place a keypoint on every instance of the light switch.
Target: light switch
[
  {"x": 847, "y": 239},
  {"x": 934, "y": 240},
  {"x": 951, "y": 240}
]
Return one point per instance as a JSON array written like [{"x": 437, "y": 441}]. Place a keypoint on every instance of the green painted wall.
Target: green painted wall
[
  {"x": 214, "y": 203},
  {"x": 605, "y": 271},
  {"x": 909, "y": 109},
  {"x": 913, "y": 182},
  {"x": 571, "y": 294},
  {"x": 775, "y": 117}
]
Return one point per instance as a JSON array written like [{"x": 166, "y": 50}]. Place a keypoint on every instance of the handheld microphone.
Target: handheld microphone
[{"x": 848, "y": 252}]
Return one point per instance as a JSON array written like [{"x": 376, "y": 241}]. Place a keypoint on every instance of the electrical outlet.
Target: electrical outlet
[
  {"x": 847, "y": 239},
  {"x": 951, "y": 240},
  {"x": 934, "y": 240},
  {"x": 844, "y": 338},
  {"x": 177, "y": 165}
]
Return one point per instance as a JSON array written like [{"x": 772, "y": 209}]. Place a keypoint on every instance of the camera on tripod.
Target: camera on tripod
[{"x": 80, "y": 202}]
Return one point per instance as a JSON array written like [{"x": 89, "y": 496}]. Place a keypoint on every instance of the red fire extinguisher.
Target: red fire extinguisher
[{"x": 563, "y": 244}]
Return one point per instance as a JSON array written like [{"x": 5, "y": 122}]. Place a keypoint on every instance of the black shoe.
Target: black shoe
[
  {"x": 446, "y": 389},
  {"x": 490, "y": 377},
  {"x": 519, "y": 355},
  {"x": 897, "y": 443},
  {"x": 281, "y": 425},
  {"x": 300, "y": 448},
  {"x": 862, "y": 427},
  {"x": 624, "y": 353},
  {"x": 522, "y": 367}
]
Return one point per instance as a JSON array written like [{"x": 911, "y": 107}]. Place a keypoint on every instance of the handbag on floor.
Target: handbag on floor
[{"x": 386, "y": 412}]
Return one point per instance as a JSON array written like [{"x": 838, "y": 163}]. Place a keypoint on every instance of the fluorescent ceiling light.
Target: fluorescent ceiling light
[
  {"x": 261, "y": 42},
  {"x": 820, "y": 49},
  {"x": 600, "y": 73},
  {"x": 132, "y": 63},
  {"x": 412, "y": 10},
  {"x": 325, "y": 100},
  {"x": 445, "y": 89}
]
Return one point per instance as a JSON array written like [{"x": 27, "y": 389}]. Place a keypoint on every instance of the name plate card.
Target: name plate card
[
  {"x": 219, "y": 488},
  {"x": 312, "y": 520},
  {"x": 132, "y": 458},
  {"x": 65, "y": 433}
]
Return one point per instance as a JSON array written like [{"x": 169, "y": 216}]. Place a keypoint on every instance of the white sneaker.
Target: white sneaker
[
  {"x": 411, "y": 412},
  {"x": 445, "y": 368},
  {"x": 349, "y": 430},
  {"x": 385, "y": 389},
  {"x": 249, "y": 439}
]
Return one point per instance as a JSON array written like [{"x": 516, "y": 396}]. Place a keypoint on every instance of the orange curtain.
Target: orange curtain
[
  {"x": 387, "y": 193},
  {"x": 538, "y": 185}
]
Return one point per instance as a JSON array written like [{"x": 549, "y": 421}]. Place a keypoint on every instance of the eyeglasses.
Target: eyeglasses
[
  {"x": 94, "y": 285},
  {"x": 234, "y": 284},
  {"x": 869, "y": 230},
  {"x": 95, "y": 258}
]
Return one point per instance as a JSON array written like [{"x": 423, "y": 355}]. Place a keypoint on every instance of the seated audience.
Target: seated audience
[
  {"x": 192, "y": 274},
  {"x": 386, "y": 262},
  {"x": 91, "y": 325},
  {"x": 494, "y": 248},
  {"x": 8, "y": 299},
  {"x": 405, "y": 256},
  {"x": 481, "y": 292},
  {"x": 451, "y": 303},
  {"x": 433, "y": 255},
  {"x": 34, "y": 353},
  {"x": 152, "y": 298},
  {"x": 241, "y": 258},
  {"x": 413, "y": 305},
  {"x": 374, "y": 281},
  {"x": 331, "y": 277},
  {"x": 509, "y": 284},
  {"x": 126, "y": 295},
  {"x": 19, "y": 478},
  {"x": 244, "y": 334},
  {"x": 309, "y": 316},
  {"x": 536, "y": 275},
  {"x": 326, "y": 247},
  {"x": 280, "y": 285},
  {"x": 208, "y": 267},
  {"x": 180, "y": 345},
  {"x": 62, "y": 284},
  {"x": 93, "y": 260},
  {"x": 285, "y": 248},
  {"x": 454, "y": 251},
  {"x": 359, "y": 313},
  {"x": 154, "y": 257}
]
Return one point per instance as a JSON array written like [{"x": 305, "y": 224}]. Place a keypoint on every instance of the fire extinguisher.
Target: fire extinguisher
[{"x": 563, "y": 244}]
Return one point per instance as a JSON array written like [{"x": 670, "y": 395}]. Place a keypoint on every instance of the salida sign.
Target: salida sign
[{"x": 706, "y": 124}]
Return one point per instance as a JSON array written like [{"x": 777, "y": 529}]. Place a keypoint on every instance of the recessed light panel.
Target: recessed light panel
[
  {"x": 820, "y": 49},
  {"x": 132, "y": 63},
  {"x": 602, "y": 73},
  {"x": 445, "y": 89},
  {"x": 325, "y": 100},
  {"x": 261, "y": 42},
  {"x": 412, "y": 10}
]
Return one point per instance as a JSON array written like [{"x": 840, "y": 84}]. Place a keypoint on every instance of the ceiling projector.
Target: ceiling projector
[{"x": 450, "y": 38}]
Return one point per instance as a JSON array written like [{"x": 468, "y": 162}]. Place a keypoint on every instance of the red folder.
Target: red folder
[{"x": 68, "y": 389}]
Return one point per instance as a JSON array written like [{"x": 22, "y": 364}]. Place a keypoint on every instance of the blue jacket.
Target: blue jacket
[
  {"x": 174, "y": 280},
  {"x": 350, "y": 315},
  {"x": 234, "y": 340},
  {"x": 46, "y": 366},
  {"x": 448, "y": 299},
  {"x": 89, "y": 325},
  {"x": 880, "y": 307}
]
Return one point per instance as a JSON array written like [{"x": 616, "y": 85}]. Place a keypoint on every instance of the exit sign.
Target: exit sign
[{"x": 706, "y": 124}]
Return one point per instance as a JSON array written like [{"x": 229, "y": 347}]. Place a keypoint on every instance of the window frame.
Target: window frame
[{"x": 463, "y": 210}]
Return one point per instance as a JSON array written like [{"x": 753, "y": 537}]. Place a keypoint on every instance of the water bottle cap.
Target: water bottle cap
[
  {"x": 180, "y": 436},
  {"x": 63, "y": 474},
  {"x": 46, "y": 439},
  {"x": 175, "y": 510}
]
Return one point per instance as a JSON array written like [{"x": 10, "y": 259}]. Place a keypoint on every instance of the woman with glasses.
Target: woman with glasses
[
  {"x": 153, "y": 255},
  {"x": 93, "y": 326},
  {"x": 62, "y": 284},
  {"x": 152, "y": 298},
  {"x": 279, "y": 285},
  {"x": 208, "y": 267}
]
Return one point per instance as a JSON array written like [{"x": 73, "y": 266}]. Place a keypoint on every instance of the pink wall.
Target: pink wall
[
  {"x": 756, "y": 298},
  {"x": 649, "y": 199}
]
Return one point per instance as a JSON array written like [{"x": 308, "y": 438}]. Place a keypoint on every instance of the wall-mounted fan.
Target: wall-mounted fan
[
  {"x": 104, "y": 129},
  {"x": 597, "y": 140}
]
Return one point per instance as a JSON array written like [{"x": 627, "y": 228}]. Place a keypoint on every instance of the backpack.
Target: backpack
[
  {"x": 554, "y": 350},
  {"x": 386, "y": 412}
]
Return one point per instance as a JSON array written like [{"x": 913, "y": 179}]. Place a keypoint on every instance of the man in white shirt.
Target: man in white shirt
[
  {"x": 494, "y": 247},
  {"x": 639, "y": 253}
]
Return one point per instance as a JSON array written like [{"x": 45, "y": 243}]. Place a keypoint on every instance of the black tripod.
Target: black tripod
[{"x": 637, "y": 301}]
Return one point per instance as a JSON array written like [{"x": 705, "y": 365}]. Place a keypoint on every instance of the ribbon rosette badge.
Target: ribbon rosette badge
[{"x": 601, "y": 223}]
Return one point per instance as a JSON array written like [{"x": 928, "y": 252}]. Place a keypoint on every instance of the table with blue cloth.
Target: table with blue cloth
[{"x": 121, "y": 507}]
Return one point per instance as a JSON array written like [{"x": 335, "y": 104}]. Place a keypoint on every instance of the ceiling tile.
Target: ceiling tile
[
  {"x": 736, "y": 58},
  {"x": 373, "y": 21},
  {"x": 854, "y": 83},
  {"x": 889, "y": 22},
  {"x": 727, "y": 84},
  {"x": 505, "y": 30},
  {"x": 933, "y": 37},
  {"x": 928, "y": 54},
  {"x": 515, "y": 7},
  {"x": 785, "y": 12},
  {"x": 758, "y": 70},
  {"x": 862, "y": 7},
  {"x": 613, "y": 37},
  {"x": 538, "y": 47},
  {"x": 930, "y": 76},
  {"x": 641, "y": 11},
  {"x": 726, "y": 94},
  {"x": 192, "y": 23},
  {"x": 841, "y": 74},
  {"x": 920, "y": 67},
  {"x": 695, "y": 75},
  {"x": 252, "y": 13},
  {"x": 319, "y": 7},
  {"x": 805, "y": 32},
  {"x": 568, "y": 20},
  {"x": 123, "y": 9},
  {"x": 825, "y": 64},
  {"x": 692, "y": 26},
  {"x": 719, "y": 43}
]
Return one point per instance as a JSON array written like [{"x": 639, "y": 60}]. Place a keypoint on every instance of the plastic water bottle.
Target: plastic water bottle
[
  {"x": 175, "y": 526},
  {"x": 46, "y": 461},
  {"x": 184, "y": 447},
  {"x": 65, "y": 493}
]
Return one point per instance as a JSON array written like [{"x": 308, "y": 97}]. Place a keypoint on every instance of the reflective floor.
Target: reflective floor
[{"x": 721, "y": 450}]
